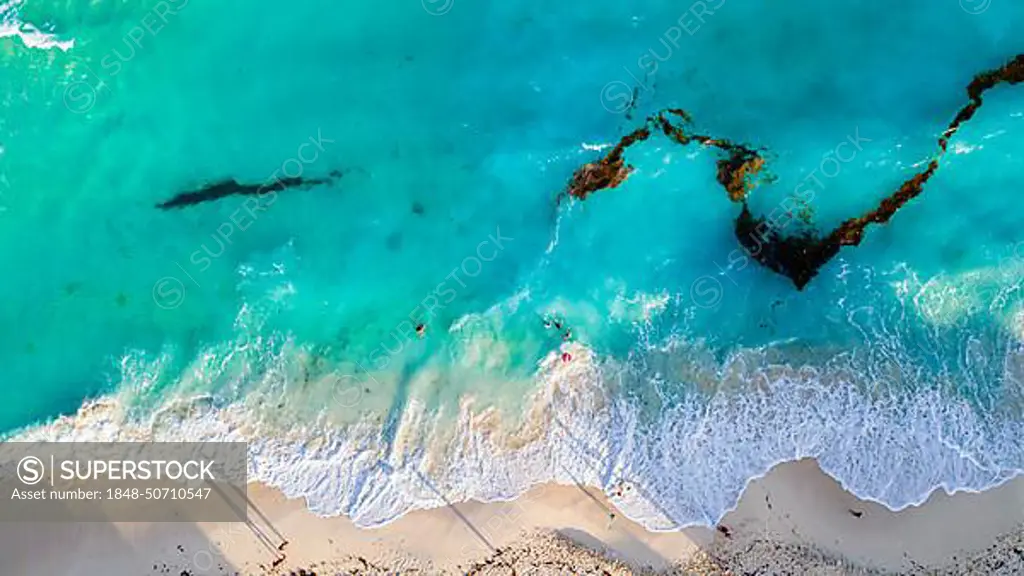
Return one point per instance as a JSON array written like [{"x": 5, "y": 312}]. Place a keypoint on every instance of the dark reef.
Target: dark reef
[
  {"x": 800, "y": 257},
  {"x": 232, "y": 187},
  {"x": 797, "y": 256}
]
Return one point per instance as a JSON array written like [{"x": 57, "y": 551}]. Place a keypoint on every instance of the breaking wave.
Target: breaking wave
[{"x": 879, "y": 420}]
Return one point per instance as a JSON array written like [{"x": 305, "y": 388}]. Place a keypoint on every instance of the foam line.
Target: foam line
[{"x": 693, "y": 462}]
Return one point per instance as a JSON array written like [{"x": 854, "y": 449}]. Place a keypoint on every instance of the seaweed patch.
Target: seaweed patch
[
  {"x": 736, "y": 171},
  {"x": 800, "y": 257},
  {"x": 797, "y": 256}
]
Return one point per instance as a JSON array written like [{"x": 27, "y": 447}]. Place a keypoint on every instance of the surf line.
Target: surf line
[{"x": 801, "y": 255}]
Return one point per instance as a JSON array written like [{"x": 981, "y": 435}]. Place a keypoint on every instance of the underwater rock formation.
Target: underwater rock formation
[{"x": 232, "y": 187}]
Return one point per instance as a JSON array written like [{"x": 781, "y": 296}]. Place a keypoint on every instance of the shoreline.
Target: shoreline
[
  {"x": 690, "y": 467},
  {"x": 795, "y": 518}
]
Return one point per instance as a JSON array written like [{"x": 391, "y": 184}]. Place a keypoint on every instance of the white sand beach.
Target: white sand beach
[{"x": 794, "y": 520}]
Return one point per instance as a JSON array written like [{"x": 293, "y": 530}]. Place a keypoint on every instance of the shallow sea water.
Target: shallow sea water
[{"x": 456, "y": 125}]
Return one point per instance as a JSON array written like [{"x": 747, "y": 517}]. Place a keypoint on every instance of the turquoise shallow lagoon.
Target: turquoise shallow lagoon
[{"x": 622, "y": 339}]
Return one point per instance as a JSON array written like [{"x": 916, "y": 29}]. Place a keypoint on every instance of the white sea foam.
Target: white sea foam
[
  {"x": 945, "y": 299},
  {"x": 964, "y": 148},
  {"x": 679, "y": 430},
  {"x": 33, "y": 37},
  {"x": 687, "y": 467},
  {"x": 30, "y": 35}
]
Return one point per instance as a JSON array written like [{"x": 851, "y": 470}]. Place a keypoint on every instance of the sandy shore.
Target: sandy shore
[{"x": 795, "y": 520}]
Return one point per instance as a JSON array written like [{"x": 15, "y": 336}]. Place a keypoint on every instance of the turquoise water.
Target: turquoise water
[{"x": 289, "y": 319}]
